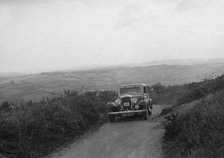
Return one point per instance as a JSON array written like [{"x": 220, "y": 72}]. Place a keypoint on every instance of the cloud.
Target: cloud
[
  {"x": 190, "y": 5},
  {"x": 182, "y": 6},
  {"x": 5, "y": 15},
  {"x": 132, "y": 12},
  {"x": 76, "y": 32},
  {"x": 166, "y": 1}
]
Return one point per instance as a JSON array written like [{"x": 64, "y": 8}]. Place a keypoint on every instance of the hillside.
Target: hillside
[
  {"x": 37, "y": 85},
  {"x": 194, "y": 126}
]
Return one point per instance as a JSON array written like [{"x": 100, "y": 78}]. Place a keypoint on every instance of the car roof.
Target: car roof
[{"x": 129, "y": 85}]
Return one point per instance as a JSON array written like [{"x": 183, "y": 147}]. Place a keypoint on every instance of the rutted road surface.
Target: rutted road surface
[{"x": 126, "y": 138}]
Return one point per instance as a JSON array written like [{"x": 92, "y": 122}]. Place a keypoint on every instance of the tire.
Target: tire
[
  {"x": 146, "y": 115},
  {"x": 150, "y": 109},
  {"x": 150, "y": 112},
  {"x": 111, "y": 118}
]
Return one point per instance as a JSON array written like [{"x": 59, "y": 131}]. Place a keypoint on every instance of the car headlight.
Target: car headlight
[
  {"x": 117, "y": 101},
  {"x": 145, "y": 98},
  {"x": 137, "y": 106},
  {"x": 134, "y": 100}
]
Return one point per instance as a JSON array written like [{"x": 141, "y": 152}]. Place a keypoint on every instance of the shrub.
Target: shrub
[
  {"x": 181, "y": 94},
  {"x": 166, "y": 110},
  {"x": 34, "y": 129},
  {"x": 195, "y": 91},
  {"x": 198, "y": 133},
  {"x": 5, "y": 107}
]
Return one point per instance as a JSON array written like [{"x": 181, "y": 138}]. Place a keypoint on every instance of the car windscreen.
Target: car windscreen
[{"x": 130, "y": 89}]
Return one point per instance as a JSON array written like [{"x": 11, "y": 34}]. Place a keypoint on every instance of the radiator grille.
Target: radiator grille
[{"x": 126, "y": 101}]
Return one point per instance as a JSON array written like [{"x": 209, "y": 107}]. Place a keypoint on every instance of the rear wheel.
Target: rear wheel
[{"x": 111, "y": 118}]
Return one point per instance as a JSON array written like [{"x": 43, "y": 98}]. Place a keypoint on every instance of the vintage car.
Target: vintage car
[{"x": 132, "y": 100}]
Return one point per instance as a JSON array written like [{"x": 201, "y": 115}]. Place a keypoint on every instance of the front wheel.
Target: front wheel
[
  {"x": 146, "y": 115},
  {"x": 111, "y": 118},
  {"x": 150, "y": 109},
  {"x": 150, "y": 112}
]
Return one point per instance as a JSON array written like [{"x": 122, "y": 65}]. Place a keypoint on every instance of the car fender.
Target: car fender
[
  {"x": 111, "y": 104},
  {"x": 143, "y": 103}
]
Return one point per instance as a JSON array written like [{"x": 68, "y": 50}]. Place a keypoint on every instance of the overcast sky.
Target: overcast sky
[{"x": 47, "y": 35}]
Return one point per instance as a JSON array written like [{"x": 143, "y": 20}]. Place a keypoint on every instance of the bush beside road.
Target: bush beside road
[
  {"x": 34, "y": 129},
  {"x": 196, "y": 129}
]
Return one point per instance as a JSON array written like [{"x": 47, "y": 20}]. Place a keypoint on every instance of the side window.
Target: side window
[{"x": 144, "y": 89}]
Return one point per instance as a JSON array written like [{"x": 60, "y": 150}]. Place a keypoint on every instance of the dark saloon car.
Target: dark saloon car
[{"x": 132, "y": 100}]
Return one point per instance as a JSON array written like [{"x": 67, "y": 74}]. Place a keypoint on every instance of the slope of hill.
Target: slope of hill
[
  {"x": 195, "y": 129},
  {"x": 196, "y": 133},
  {"x": 36, "y": 85}
]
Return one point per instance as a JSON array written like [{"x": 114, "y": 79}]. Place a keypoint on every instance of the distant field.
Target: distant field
[{"x": 35, "y": 86}]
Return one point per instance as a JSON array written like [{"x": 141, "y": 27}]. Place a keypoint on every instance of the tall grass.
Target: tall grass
[
  {"x": 33, "y": 129},
  {"x": 168, "y": 95},
  {"x": 195, "y": 91},
  {"x": 198, "y": 133}
]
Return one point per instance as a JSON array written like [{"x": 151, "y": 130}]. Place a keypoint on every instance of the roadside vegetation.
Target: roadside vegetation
[
  {"x": 34, "y": 129},
  {"x": 198, "y": 132},
  {"x": 180, "y": 94}
]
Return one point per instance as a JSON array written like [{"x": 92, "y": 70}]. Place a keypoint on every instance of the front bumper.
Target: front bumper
[{"x": 126, "y": 112}]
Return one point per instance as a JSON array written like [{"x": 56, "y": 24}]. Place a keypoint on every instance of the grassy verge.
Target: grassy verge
[
  {"x": 181, "y": 94},
  {"x": 199, "y": 132},
  {"x": 34, "y": 129}
]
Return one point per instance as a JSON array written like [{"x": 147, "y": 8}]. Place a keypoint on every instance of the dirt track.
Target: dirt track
[{"x": 126, "y": 138}]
